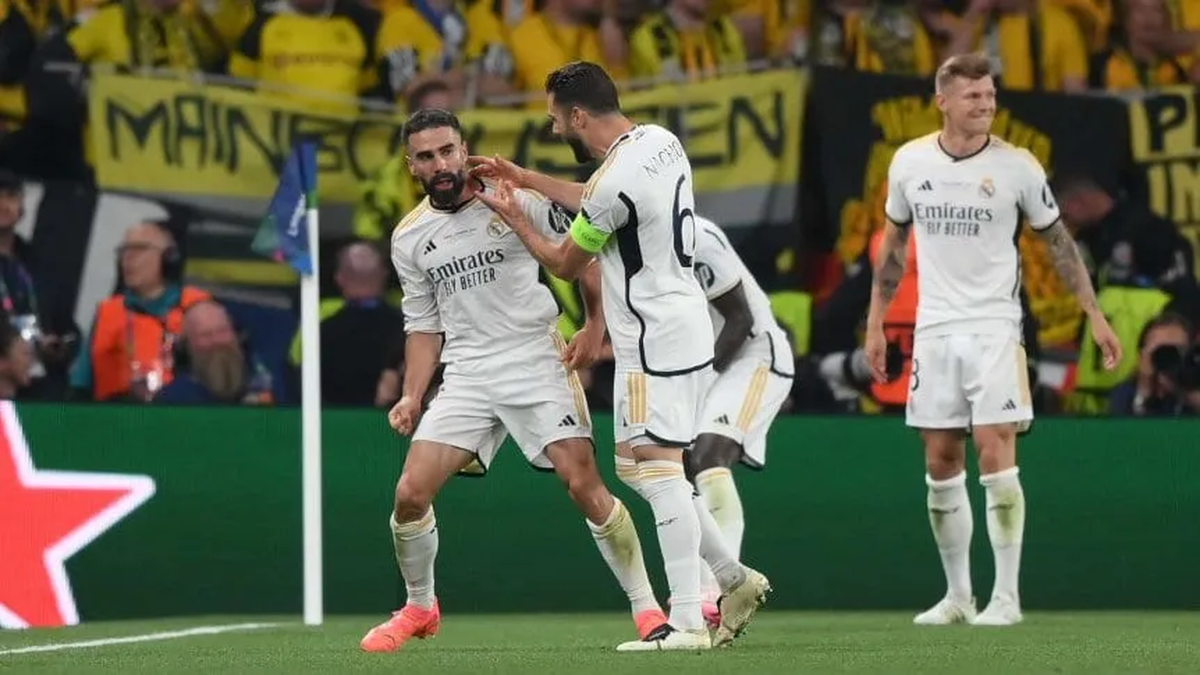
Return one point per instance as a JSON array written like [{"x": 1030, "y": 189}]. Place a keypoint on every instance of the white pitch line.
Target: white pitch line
[{"x": 148, "y": 637}]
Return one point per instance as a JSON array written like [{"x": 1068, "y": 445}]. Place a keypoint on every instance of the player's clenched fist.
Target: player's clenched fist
[{"x": 403, "y": 415}]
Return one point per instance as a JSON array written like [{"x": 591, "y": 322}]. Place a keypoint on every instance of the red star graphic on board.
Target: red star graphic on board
[{"x": 45, "y": 518}]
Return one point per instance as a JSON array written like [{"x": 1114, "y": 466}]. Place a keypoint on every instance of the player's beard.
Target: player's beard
[
  {"x": 447, "y": 198},
  {"x": 222, "y": 371},
  {"x": 582, "y": 154}
]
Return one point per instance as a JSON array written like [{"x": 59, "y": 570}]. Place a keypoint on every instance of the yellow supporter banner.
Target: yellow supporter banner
[
  {"x": 153, "y": 135},
  {"x": 1165, "y": 135}
]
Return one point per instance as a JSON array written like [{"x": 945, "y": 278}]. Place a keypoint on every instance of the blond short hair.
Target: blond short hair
[{"x": 967, "y": 66}]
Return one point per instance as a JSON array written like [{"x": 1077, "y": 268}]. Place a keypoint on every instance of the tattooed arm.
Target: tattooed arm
[
  {"x": 1074, "y": 273},
  {"x": 889, "y": 270},
  {"x": 1070, "y": 266}
]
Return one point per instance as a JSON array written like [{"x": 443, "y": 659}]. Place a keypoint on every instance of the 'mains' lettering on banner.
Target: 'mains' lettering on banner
[
  {"x": 1165, "y": 132},
  {"x": 904, "y": 118},
  {"x": 162, "y": 136}
]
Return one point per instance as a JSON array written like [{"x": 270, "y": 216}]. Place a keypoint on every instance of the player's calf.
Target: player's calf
[
  {"x": 611, "y": 526},
  {"x": 1005, "y": 518}
]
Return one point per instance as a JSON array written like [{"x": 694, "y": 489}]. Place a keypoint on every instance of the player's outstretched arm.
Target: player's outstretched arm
[
  {"x": 1071, "y": 268},
  {"x": 888, "y": 273},
  {"x": 566, "y": 193},
  {"x": 565, "y": 260}
]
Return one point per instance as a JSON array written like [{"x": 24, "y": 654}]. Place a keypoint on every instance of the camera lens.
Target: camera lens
[{"x": 1166, "y": 358}]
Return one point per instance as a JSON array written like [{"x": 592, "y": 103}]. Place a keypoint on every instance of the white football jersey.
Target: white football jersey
[
  {"x": 641, "y": 195},
  {"x": 719, "y": 268},
  {"x": 466, "y": 274},
  {"x": 966, "y": 216}
]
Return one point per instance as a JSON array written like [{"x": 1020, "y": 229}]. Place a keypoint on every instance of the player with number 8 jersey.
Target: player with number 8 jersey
[{"x": 635, "y": 217}]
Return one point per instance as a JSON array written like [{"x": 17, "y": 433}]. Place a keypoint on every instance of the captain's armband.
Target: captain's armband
[{"x": 586, "y": 235}]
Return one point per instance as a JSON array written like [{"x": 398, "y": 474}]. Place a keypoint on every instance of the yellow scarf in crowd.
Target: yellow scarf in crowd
[{"x": 159, "y": 39}]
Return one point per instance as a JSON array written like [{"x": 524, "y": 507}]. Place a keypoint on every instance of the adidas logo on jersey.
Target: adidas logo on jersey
[
  {"x": 567, "y": 421},
  {"x": 429, "y": 248},
  {"x": 925, "y": 187},
  {"x": 1009, "y": 405},
  {"x": 723, "y": 419}
]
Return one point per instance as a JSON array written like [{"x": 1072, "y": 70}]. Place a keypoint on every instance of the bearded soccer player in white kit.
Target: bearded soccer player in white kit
[
  {"x": 964, "y": 192},
  {"x": 635, "y": 215},
  {"x": 755, "y": 368},
  {"x": 464, "y": 274}
]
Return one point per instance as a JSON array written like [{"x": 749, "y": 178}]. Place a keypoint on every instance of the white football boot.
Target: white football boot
[
  {"x": 666, "y": 638},
  {"x": 1002, "y": 610},
  {"x": 949, "y": 610},
  {"x": 739, "y": 605}
]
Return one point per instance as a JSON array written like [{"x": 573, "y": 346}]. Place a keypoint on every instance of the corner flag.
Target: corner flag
[
  {"x": 282, "y": 235},
  {"x": 289, "y": 233}
]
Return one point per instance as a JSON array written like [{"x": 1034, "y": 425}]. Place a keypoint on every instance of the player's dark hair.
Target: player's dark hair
[
  {"x": 429, "y": 118},
  {"x": 584, "y": 85}
]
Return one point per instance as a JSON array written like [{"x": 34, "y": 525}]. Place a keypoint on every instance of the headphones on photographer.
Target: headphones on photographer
[{"x": 171, "y": 260}]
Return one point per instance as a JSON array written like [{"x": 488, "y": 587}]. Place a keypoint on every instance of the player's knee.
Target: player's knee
[
  {"x": 575, "y": 465},
  {"x": 945, "y": 453},
  {"x": 412, "y": 500},
  {"x": 997, "y": 447}
]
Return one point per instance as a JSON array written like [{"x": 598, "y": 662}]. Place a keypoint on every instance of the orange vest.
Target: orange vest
[
  {"x": 898, "y": 323},
  {"x": 119, "y": 330}
]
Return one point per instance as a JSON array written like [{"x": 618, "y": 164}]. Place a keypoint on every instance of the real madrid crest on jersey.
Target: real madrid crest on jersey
[
  {"x": 987, "y": 188},
  {"x": 497, "y": 228}
]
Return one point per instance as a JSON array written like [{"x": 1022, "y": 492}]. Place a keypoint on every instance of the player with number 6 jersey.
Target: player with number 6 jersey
[{"x": 635, "y": 215}]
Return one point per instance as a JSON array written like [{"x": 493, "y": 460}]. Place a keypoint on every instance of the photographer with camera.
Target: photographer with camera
[{"x": 1167, "y": 383}]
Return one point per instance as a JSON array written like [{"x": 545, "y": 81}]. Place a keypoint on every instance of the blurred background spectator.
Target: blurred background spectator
[
  {"x": 362, "y": 336},
  {"x": 213, "y": 365}
]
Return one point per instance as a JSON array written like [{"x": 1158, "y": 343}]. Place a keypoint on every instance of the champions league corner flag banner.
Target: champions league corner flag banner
[
  {"x": 289, "y": 233},
  {"x": 283, "y": 235}
]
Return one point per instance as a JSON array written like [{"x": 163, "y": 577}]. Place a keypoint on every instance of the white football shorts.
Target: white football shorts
[
  {"x": 658, "y": 409},
  {"x": 531, "y": 396},
  {"x": 960, "y": 381},
  {"x": 744, "y": 400}
]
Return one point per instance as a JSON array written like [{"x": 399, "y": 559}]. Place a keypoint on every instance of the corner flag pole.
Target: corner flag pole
[
  {"x": 289, "y": 233},
  {"x": 310, "y": 392}
]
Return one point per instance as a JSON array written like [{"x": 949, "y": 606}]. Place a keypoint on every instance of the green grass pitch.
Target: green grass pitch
[{"x": 777, "y": 642}]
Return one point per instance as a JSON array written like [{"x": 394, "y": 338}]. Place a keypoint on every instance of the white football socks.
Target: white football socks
[
  {"x": 950, "y": 517},
  {"x": 618, "y": 542},
  {"x": 1006, "y": 528},
  {"x": 714, "y": 551},
  {"x": 416, "y": 548},
  {"x": 662, "y": 483},
  {"x": 721, "y": 496}
]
